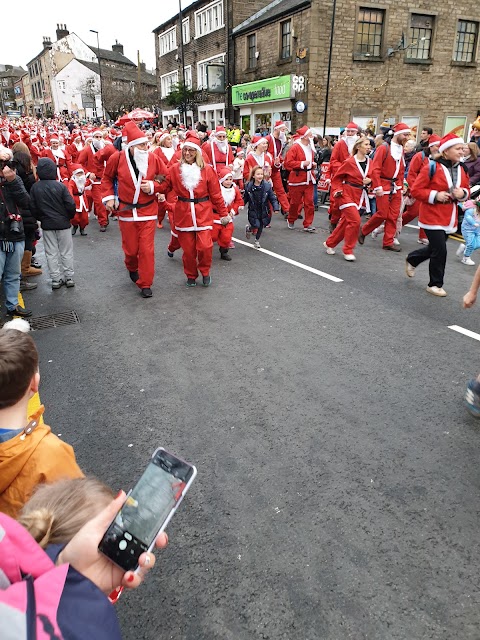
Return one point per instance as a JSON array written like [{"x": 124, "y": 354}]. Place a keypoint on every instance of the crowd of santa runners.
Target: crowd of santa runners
[{"x": 201, "y": 180}]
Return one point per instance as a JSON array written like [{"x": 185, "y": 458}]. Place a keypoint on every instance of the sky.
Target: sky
[{"x": 132, "y": 29}]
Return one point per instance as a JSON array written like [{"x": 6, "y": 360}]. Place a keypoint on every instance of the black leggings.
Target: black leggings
[{"x": 436, "y": 252}]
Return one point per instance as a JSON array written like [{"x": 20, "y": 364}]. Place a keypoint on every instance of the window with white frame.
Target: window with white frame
[
  {"x": 209, "y": 19},
  {"x": 167, "y": 41},
  {"x": 202, "y": 69},
  {"x": 188, "y": 76},
  {"x": 167, "y": 81},
  {"x": 186, "y": 30}
]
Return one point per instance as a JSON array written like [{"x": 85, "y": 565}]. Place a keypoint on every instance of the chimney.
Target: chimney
[
  {"x": 62, "y": 31},
  {"x": 143, "y": 67},
  {"x": 47, "y": 42},
  {"x": 118, "y": 48}
]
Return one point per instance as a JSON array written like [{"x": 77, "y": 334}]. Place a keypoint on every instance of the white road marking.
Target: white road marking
[
  {"x": 293, "y": 262},
  {"x": 466, "y": 332},
  {"x": 412, "y": 226}
]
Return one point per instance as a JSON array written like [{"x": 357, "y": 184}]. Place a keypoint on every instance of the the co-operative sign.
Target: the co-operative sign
[{"x": 277, "y": 88}]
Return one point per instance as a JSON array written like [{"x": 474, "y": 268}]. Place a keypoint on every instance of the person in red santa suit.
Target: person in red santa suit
[
  {"x": 80, "y": 189},
  {"x": 222, "y": 231},
  {"x": 350, "y": 188},
  {"x": 8, "y": 137},
  {"x": 196, "y": 186},
  {"x": 388, "y": 169},
  {"x": 76, "y": 145},
  {"x": 93, "y": 162},
  {"x": 439, "y": 187},
  {"x": 258, "y": 156},
  {"x": 166, "y": 152},
  {"x": 300, "y": 162},
  {"x": 138, "y": 173},
  {"x": 419, "y": 160},
  {"x": 276, "y": 143},
  {"x": 218, "y": 152},
  {"x": 61, "y": 157},
  {"x": 340, "y": 152}
]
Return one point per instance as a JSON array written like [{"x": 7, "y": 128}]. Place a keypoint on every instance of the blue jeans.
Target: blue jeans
[{"x": 10, "y": 270}]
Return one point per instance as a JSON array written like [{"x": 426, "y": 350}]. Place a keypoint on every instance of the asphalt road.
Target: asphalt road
[{"x": 338, "y": 471}]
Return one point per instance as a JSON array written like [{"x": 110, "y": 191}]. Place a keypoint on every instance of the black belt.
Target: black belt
[
  {"x": 129, "y": 205},
  {"x": 393, "y": 184},
  {"x": 194, "y": 200},
  {"x": 357, "y": 186}
]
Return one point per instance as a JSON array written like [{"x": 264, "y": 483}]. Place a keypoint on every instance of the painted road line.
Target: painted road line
[
  {"x": 293, "y": 262},
  {"x": 34, "y": 402},
  {"x": 412, "y": 226},
  {"x": 466, "y": 332}
]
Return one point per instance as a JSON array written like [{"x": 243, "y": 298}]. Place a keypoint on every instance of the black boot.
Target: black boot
[
  {"x": 83, "y": 232},
  {"x": 224, "y": 254},
  {"x": 133, "y": 276},
  {"x": 74, "y": 229}
]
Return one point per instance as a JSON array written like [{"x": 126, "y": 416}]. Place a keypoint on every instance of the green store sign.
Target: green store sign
[{"x": 277, "y": 88}]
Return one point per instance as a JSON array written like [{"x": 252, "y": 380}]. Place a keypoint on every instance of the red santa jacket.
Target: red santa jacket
[
  {"x": 196, "y": 197},
  {"x": 417, "y": 162},
  {"x": 340, "y": 153},
  {"x": 387, "y": 172},
  {"x": 275, "y": 150},
  {"x": 63, "y": 164},
  {"x": 120, "y": 166},
  {"x": 232, "y": 199},
  {"x": 93, "y": 161},
  {"x": 434, "y": 215},
  {"x": 349, "y": 180},
  {"x": 299, "y": 161},
  {"x": 216, "y": 158},
  {"x": 264, "y": 161},
  {"x": 83, "y": 201},
  {"x": 159, "y": 151},
  {"x": 74, "y": 151}
]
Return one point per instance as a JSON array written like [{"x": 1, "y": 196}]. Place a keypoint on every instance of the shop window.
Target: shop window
[
  {"x": 466, "y": 41},
  {"x": 421, "y": 32},
  {"x": 251, "y": 51},
  {"x": 370, "y": 32},
  {"x": 286, "y": 39}
]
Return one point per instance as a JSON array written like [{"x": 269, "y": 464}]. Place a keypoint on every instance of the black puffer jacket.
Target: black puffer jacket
[
  {"x": 50, "y": 201},
  {"x": 13, "y": 199}
]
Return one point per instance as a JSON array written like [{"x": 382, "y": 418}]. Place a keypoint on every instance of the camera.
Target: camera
[
  {"x": 11, "y": 164},
  {"x": 15, "y": 227}
]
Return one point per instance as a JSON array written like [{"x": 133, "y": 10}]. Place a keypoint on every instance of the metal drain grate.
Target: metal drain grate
[{"x": 54, "y": 320}]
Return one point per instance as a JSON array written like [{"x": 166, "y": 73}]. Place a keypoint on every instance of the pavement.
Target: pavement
[{"x": 338, "y": 475}]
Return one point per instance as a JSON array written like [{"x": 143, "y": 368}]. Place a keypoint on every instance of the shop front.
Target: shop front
[{"x": 263, "y": 102}]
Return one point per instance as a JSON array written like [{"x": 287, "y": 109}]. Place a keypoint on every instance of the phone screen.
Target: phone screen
[{"x": 146, "y": 509}]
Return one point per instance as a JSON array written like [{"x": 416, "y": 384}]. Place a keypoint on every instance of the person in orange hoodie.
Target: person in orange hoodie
[{"x": 30, "y": 453}]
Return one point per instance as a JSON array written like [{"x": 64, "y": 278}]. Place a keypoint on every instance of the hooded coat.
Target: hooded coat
[{"x": 50, "y": 200}]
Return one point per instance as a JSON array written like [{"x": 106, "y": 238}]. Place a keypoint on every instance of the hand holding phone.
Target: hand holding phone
[{"x": 148, "y": 509}]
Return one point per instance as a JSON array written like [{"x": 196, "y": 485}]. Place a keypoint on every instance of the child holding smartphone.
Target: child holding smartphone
[{"x": 258, "y": 194}]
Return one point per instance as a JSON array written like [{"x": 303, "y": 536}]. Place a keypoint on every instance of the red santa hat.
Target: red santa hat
[
  {"x": 224, "y": 173},
  {"x": 165, "y": 134},
  {"x": 76, "y": 168},
  {"x": 280, "y": 125},
  {"x": 256, "y": 140},
  {"x": 352, "y": 126},
  {"x": 192, "y": 141},
  {"x": 449, "y": 141},
  {"x": 434, "y": 140},
  {"x": 219, "y": 129},
  {"x": 303, "y": 132},
  {"x": 134, "y": 134},
  {"x": 96, "y": 132},
  {"x": 53, "y": 138},
  {"x": 401, "y": 128}
]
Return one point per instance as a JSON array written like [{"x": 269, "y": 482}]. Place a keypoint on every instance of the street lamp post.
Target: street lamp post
[
  {"x": 327, "y": 92},
  {"x": 99, "y": 72},
  {"x": 184, "y": 86}
]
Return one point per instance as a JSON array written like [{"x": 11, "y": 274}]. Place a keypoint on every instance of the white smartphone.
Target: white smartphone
[{"x": 148, "y": 509}]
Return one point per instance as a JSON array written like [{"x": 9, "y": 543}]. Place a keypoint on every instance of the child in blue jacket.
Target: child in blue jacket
[
  {"x": 470, "y": 231},
  {"x": 258, "y": 194}
]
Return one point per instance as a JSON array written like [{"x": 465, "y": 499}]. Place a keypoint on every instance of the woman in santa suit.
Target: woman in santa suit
[
  {"x": 440, "y": 185},
  {"x": 258, "y": 157},
  {"x": 76, "y": 145},
  {"x": 196, "y": 186},
  {"x": 165, "y": 152},
  {"x": 350, "y": 188},
  {"x": 222, "y": 231}
]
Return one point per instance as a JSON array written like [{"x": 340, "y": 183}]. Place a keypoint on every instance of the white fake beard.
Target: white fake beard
[
  {"x": 80, "y": 181},
  {"x": 98, "y": 144},
  {"x": 260, "y": 158},
  {"x": 58, "y": 153},
  {"x": 350, "y": 140},
  {"x": 222, "y": 145},
  {"x": 396, "y": 150},
  {"x": 141, "y": 160},
  {"x": 79, "y": 145},
  {"x": 191, "y": 175},
  {"x": 228, "y": 194}
]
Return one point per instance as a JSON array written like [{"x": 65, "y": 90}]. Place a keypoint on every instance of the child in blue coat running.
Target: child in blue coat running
[
  {"x": 258, "y": 194},
  {"x": 470, "y": 231}
]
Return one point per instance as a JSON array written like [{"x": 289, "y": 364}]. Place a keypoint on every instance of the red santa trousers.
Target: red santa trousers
[
  {"x": 280, "y": 191},
  {"x": 333, "y": 211},
  {"x": 301, "y": 195},
  {"x": 197, "y": 252},
  {"x": 162, "y": 210},
  {"x": 98, "y": 205},
  {"x": 410, "y": 214},
  {"x": 138, "y": 244},
  {"x": 387, "y": 212},
  {"x": 222, "y": 235},
  {"x": 347, "y": 229},
  {"x": 174, "y": 241},
  {"x": 80, "y": 219}
]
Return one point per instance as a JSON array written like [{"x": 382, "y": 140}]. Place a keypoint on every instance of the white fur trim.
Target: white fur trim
[
  {"x": 19, "y": 324},
  {"x": 228, "y": 194},
  {"x": 137, "y": 141},
  {"x": 450, "y": 143},
  {"x": 190, "y": 175},
  {"x": 432, "y": 196},
  {"x": 192, "y": 145},
  {"x": 403, "y": 131}
]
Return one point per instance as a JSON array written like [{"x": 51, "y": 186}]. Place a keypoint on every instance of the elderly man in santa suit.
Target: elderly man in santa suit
[
  {"x": 276, "y": 143},
  {"x": 80, "y": 189},
  {"x": 300, "y": 162},
  {"x": 388, "y": 170},
  {"x": 218, "y": 151},
  {"x": 8, "y": 137},
  {"x": 60, "y": 156},
  {"x": 139, "y": 174},
  {"x": 341, "y": 151},
  {"x": 196, "y": 186},
  {"x": 93, "y": 161}
]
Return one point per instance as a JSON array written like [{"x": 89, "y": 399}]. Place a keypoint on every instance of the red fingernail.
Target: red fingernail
[
  {"x": 119, "y": 494},
  {"x": 131, "y": 578}
]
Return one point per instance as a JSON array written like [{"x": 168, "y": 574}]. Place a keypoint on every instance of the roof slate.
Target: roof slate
[{"x": 270, "y": 13}]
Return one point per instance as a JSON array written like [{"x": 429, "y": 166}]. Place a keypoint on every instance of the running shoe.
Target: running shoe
[{"x": 472, "y": 398}]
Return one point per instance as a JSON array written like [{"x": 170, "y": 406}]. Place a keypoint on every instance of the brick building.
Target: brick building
[{"x": 9, "y": 83}]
